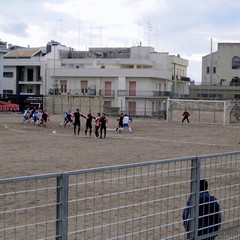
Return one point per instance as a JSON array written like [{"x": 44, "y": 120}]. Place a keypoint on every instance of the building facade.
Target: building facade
[
  {"x": 131, "y": 79},
  {"x": 222, "y": 68},
  {"x": 220, "y": 74},
  {"x": 3, "y": 50}
]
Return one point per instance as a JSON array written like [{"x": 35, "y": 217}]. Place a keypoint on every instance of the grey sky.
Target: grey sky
[{"x": 179, "y": 27}]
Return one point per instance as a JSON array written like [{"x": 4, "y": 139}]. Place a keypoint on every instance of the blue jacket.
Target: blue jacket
[{"x": 209, "y": 214}]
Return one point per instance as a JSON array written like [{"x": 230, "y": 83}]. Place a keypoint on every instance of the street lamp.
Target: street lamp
[{"x": 54, "y": 44}]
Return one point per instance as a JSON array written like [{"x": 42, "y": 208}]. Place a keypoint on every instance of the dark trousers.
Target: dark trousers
[
  {"x": 185, "y": 118},
  {"x": 96, "y": 131},
  {"x": 103, "y": 130},
  {"x": 75, "y": 126}
]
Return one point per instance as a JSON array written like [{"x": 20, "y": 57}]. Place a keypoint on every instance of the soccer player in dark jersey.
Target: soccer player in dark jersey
[
  {"x": 103, "y": 125},
  {"x": 44, "y": 119},
  {"x": 89, "y": 118},
  {"x": 120, "y": 123},
  {"x": 77, "y": 122}
]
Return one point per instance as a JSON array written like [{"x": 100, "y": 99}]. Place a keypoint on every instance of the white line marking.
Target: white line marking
[{"x": 174, "y": 141}]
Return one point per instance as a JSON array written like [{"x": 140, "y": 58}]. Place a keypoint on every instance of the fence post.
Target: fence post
[
  {"x": 62, "y": 208},
  {"x": 194, "y": 199}
]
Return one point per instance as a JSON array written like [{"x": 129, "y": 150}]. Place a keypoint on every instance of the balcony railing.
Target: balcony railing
[
  {"x": 106, "y": 93},
  {"x": 80, "y": 92},
  {"x": 143, "y": 93}
]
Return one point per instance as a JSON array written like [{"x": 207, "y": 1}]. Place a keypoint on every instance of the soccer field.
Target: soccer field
[
  {"x": 27, "y": 149},
  {"x": 145, "y": 200}
]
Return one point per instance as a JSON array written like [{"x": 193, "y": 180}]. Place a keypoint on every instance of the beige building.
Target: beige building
[
  {"x": 222, "y": 68},
  {"x": 220, "y": 74}
]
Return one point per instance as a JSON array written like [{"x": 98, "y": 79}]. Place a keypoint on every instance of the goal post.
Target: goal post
[{"x": 201, "y": 111}]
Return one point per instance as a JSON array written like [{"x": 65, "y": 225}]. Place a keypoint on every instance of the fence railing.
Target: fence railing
[{"x": 133, "y": 201}]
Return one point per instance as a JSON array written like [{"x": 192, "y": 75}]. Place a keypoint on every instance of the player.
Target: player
[
  {"x": 26, "y": 114},
  {"x": 89, "y": 118},
  {"x": 185, "y": 115},
  {"x": 126, "y": 122},
  {"x": 103, "y": 125},
  {"x": 44, "y": 119},
  {"x": 120, "y": 123},
  {"x": 97, "y": 125},
  {"x": 77, "y": 122}
]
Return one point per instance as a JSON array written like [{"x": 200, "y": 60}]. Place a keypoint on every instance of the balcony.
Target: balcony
[
  {"x": 185, "y": 79},
  {"x": 143, "y": 93},
  {"x": 80, "y": 92},
  {"x": 37, "y": 82},
  {"x": 107, "y": 93}
]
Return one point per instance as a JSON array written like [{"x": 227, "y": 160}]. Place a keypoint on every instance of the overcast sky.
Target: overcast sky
[{"x": 182, "y": 27}]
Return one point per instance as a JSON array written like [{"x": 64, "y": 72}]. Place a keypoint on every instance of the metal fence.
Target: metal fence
[{"x": 133, "y": 201}]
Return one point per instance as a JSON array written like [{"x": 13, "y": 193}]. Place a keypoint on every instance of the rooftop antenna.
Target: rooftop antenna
[
  {"x": 100, "y": 35},
  {"x": 79, "y": 30},
  {"x": 149, "y": 33},
  {"x": 91, "y": 37},
  {"x": 139, "y": 32},
  {"x": 211, "y": 65},
  {"x": 157, "y": 35},
  {"x": 60, "y": 20}
]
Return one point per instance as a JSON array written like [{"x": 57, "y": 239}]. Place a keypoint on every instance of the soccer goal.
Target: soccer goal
[{"x": 201, "y": 111}]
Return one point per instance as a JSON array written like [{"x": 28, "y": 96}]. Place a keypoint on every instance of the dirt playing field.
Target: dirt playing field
[{"x": 26, "y": 149}]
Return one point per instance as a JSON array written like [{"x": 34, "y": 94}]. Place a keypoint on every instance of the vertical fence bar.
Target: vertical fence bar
[
  {"x": 194, "y": 199},
  {"x": 62, "y": 208}
]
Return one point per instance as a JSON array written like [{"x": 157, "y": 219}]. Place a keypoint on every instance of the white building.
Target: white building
[
  {"x": 3, "y": 50},
  {"x": 128, "y": 78}
]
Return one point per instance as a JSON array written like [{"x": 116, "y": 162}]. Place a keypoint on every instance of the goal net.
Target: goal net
[{"x": 201, "y": 111}]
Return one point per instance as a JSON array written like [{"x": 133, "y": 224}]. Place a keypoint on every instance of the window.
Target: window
[
  {"x": 30, "y": 75},
  {"x": 7, "y": 91},
  {"x": 38, "y": 75},
  {"x": 208, "y": 69},
  {"x": 7, "y": 74},
  {"x": 84, "y": 86},
  {"x": 235, "y": 62},
  {"x": 108, "y": 88},
  {"x": 29, "y": 89},
  {"x": 132, "y": 88},
  {"x": 63, "y": 86},
  {"x": 214, "y": 70},
  {"x": 236, "y": 96}
]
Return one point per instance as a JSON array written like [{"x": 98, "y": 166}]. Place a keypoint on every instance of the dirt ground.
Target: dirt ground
[{"x": 26, "y": 149}]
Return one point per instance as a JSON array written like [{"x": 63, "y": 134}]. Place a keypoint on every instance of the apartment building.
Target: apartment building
[
  {"x": 222, "y": 67},
  {"x": 220, "y": 74},
  {"x": 128, "y": 78},
  {"x": 3, "y": 50}
]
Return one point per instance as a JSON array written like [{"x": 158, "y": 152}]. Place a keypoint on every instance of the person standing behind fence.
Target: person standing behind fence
[
  {"x": 186, "y": 116},
  {"x": 77, "y": 122},
  {"x": 103, "y": 125},
  {"x": 209, "y": 219}
]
